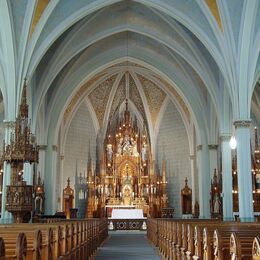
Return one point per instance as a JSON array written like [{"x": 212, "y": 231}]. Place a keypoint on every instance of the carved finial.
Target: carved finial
[
  {"x": 186, "y": 182},
  {"x": 68, "y": 181},
  {"x": 126, "y": 104},
  {"x": 23, "y": 106}
]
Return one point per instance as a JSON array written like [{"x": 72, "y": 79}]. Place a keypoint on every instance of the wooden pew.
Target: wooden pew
[
  {"x": 240, "y": 246},
  {"x": 221, "y": 238},
  {"x": 2, "y": 249},
  {"x": 256, "y": 248},
  {"x": 60, "y": 240},
  {"x": 33, "y": 242},
  {"x": 16, "y": 248}
]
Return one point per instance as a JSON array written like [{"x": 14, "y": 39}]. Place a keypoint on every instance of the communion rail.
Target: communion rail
[
  {"x": 204, "y": 239},
  {"x": 68, "y": 239}
]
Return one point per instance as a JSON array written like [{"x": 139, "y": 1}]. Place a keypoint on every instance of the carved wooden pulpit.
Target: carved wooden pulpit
[{"x": 68, "y": 197}]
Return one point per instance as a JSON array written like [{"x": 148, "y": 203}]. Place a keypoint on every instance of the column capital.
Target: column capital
[
  {"x": 9, "y": 123},
  {"x": 43, "y": 146},
  {"x": 61, "y": 156},
  {"x": 213, "y": 146},
  {"x": 55, "y": 148},
  {"x": 199, "y": 147},
  {"x": 225, "y": 137},
  {"x": 242, "y": 123}
]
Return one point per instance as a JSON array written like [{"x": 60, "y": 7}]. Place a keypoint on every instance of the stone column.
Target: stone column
[
  {"x": 41, "y": 163},
  {"x": 204, "y": 180},
  {"x": 244, "y": 170},
  {"x": 227, "y": 196},
  {"x": 60, "y": 199},
  {"x": 193, "y": 179},
  {"x": 50, "y": 179},
  {"x": 213, "y": 158},
  {"x": 5, "y": 215}
]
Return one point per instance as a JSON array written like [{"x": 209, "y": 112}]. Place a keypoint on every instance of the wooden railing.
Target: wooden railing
[
  {"x": 204, "y": 239},
  {"x": 75, "y": 239}
]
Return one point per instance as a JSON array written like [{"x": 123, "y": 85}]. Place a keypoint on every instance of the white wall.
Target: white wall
[
  {"x": 81, "y": 132},
  {"x": 172, "y": 144}
]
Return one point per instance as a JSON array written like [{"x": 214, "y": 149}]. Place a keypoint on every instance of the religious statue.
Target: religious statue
[
  {"x": 135, "y": 152},
  {"x": 109, "y": 152},
  {"x": 127, "y": 148}
]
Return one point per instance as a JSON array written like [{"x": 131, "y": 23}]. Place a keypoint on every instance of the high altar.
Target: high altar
[{"x": 127, "y": 178}]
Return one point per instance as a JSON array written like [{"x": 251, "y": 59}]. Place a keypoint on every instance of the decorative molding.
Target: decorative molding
[
  {"x": 242, "y": 123},
  {"x": 213, "y": 146},
  {"x": 43, "y": 147},
  {"x": 55, "y": 148},
  {"x": 199, "y": 147},
  {"x": 9, "y": 124},
  {"x": 225, "y": 137}
]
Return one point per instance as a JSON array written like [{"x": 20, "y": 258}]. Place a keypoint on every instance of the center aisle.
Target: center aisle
[{"x": 127, "y": 245}]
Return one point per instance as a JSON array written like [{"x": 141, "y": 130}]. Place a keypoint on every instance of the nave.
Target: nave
[
  {"x": 127, "y": 245},
  {"x": 171, "y": 239}
]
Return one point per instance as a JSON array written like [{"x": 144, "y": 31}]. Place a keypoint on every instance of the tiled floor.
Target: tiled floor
[{"x": 127, "y": 245}]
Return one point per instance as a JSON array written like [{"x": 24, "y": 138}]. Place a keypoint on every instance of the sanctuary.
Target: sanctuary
[{"x": 127, "y": 178}]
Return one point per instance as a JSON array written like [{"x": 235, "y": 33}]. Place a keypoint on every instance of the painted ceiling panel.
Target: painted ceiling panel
[
  {"x": 154, "y": 95},
  {"x": 41, "y": 5},
  {"x": 119, "y": 97},
  {"x": 79, "y": 95},
  {"x": 235, "y": 15},
  {"x": 134, "y": 95},
  {"x": 99, "y": 98},
  {"x": 18, "y": 8},
  {"x": 213, "y": 6}
]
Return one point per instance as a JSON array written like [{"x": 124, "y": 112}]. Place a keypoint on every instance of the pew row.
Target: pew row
[
  {"x": 75, "y": 239},
  {"x": 204, "y": 239}
]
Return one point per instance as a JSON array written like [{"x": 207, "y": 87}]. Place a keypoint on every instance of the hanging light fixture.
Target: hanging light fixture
[{"x": 233, "y": 143}]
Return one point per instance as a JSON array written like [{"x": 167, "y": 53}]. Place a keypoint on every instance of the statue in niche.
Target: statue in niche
[
  {"x": 127, "y": 148},
  {"x": 144, "y": 152},
  {"x": 135, "y": 152},
  {"x": 120, "y": 145},
  {"x": 109, "y": 152},
  {"x": 216, "y": 203},
  {"x": 257, "y": 178}
]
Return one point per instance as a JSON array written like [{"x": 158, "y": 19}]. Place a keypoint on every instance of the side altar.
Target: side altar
[{"x": 127, "y": 175}]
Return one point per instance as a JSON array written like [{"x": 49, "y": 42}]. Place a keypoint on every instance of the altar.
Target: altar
[
  {"x": 127, "y": 219},
  {"x": 127, "y": 180},
  {"x": 127, "y": 214}
]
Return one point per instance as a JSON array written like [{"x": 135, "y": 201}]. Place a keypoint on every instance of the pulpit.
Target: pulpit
[{"x": 68, "y": 197}]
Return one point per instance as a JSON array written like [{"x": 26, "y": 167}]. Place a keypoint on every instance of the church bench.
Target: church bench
[
  {"x": 221, "y": 239},
  {"x": 33, "y": 241},
  {"x": 203, "y": 236},
  {"x": 241, "y": 246},
  {"x": 48, "y": 237},
  {"x": 65, "y": 239},
  {"x": 256, "y": 248},
  {"x": 2, "y": 249},
  {"x": 15, "y": 247},
  {"x": 152, "y": 230}
]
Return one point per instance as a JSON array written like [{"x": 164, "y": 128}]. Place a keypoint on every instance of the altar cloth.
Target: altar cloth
[{"x": 127, "y": 214}]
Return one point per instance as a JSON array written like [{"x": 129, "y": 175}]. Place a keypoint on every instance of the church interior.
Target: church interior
[{"x": 130, "y": 115}]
